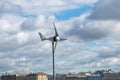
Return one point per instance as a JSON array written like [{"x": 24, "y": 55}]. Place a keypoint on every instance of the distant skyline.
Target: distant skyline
[{"x": 92, "y": 29}]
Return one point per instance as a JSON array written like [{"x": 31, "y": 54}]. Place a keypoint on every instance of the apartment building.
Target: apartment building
[
  {"x": 21, "y": 76},
  {"x": 112, "y": 76},
  {"x": 8, "y": 77},
  {"x": 31, "y": 76},
  {"x": 37, "y": 76}
]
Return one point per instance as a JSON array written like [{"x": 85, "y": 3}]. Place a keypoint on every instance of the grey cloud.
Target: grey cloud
[
  {"x": 90, "y": 32},
  {"x": 28, "y": 24},
  {"x": 106, "y": 10},
  {"x": 10, "y": 45},
  {"x": 84, "y": 58},
  {"x": 107, "y": 52},
  {"x": 8, "y": 7},
  {"x": 6, "y": 65}
]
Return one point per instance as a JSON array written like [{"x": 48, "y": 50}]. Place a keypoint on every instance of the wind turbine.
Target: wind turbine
[{"x": 54, "y": 41}]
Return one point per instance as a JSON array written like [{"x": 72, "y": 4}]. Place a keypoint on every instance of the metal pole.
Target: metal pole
[{"x": 53, "y": 66}]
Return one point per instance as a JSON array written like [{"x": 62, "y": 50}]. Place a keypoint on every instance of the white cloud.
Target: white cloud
[
  {"x": 5, "y": 25},
  {"x": 49, "y": 7},
  {"x": 22, "y": 37},
  {"x": 10, "y": 23},
  {"x": 110, "y": 63}
]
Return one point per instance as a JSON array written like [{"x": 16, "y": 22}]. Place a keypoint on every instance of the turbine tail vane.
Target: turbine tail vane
[{"x": 41, "y": 36}]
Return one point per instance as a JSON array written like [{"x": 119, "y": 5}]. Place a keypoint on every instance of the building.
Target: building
[
  {"x": 76, "y": 77},
  {"x": 112, "y": 76},
  {"x": 8, "y": 77},
  {"x": 21, "y": 76},
  {"x": 96, "y": 77},
  {"x": 31, "y": 76},
  {"x": 58, "y": 77},
  {"x": 36, "y": 76}
]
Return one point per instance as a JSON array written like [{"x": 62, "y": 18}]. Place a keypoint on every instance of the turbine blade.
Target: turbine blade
[
  {"x": 55, "y": 45},
  {"x": 56, "y": 33},
  {"x": 62, "y": 39}
]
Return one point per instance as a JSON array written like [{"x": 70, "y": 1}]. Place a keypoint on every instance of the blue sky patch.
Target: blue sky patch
[
  {"x": 103, "y": 42},
  {"x": 65, "y": 15},
  {"x": 27, "y": 15}
]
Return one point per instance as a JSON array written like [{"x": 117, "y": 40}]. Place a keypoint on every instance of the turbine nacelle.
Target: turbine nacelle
[{"x": 56, "y": 38}]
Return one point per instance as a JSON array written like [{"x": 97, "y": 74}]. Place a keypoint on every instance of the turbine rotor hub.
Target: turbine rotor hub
[{"x": 57, "y": 38}]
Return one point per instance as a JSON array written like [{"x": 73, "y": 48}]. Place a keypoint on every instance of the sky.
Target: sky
[{"x": 92, "y": 29}]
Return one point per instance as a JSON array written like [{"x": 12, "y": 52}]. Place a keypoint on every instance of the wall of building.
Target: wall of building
[
  {"x": 21, "y": 76},
  {"x": 76, "y": 78},
  {"x": 8, "y": 77},
  {"x": 112, "y": 76},
  {"x": 42, "y": 76},
  {"x": 96, "y": 77},
  {"x": 38, "y": 76},
  {"x": 32, "y": 76}
]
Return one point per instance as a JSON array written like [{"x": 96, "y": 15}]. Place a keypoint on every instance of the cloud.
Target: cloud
[
  {"x": 110, "y": 63},
  {"x": 92, "y": 30},
  {"x": 84, "y": 58},
  {"x": 50, "y": 7},
  {"x": 5, "y": 25},
  {"x": 39, "y": 22},
  {"x": 8, "y": 7},
  {"x": 6, "y": 65},
  {"x": 106, "y": 52},
  {"x": 10, "y": 23},
  {"x": 6, "y": 44},
  {"x": 101, "y": 33},
  {"x": 106, "y": 10}
]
